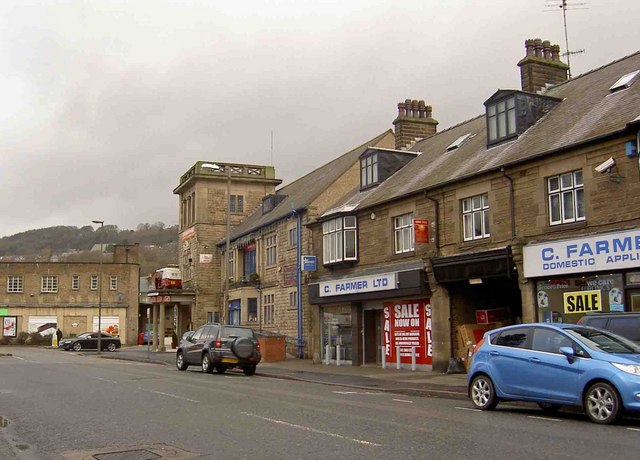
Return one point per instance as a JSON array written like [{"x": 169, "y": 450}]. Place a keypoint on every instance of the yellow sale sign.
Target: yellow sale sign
[{"x": 582, "y": 302}]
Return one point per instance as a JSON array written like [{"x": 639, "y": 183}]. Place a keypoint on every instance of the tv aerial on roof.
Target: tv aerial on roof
[{"x": 564, "y": 5}]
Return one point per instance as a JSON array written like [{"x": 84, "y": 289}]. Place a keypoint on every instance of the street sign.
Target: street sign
[{"x": 309, "y": 263}]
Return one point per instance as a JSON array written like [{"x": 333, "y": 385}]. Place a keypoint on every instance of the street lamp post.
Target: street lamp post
[
  {"x": 217, "y": 167},
  {"x": 101, "y": 222}
]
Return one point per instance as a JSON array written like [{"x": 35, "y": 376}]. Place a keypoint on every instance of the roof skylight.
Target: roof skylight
[
  {"x": 625, "y": 81},
  {"x": 459, "y": 141}
]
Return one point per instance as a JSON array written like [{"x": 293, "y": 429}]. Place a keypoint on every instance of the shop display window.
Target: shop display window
[
  {"x": 336, "y": 332},
  {"x": 567, "y": 299}
]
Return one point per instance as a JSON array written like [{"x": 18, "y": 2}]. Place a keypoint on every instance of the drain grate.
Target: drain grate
[{"x": 136, "y": 454}]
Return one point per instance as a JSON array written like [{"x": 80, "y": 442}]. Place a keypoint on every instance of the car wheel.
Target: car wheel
[
  {"x": 207, "y": 367},
  {"x": 111, "y": 346},
  {"x": 483, "y": 393},
  {"x": 77, "y": 346},
  {"x": 220, "y": 369},
  {"x": 242, "y": 347},
  {"x": 250, "y": 370},
  {"x": 602, "y": 403},
  {"x": 548, "y": 408},
  {"x": 180, "y": 363}
]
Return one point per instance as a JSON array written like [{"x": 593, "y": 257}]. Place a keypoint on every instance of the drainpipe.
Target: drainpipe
[
  {"x": 436, "y": 207},
  {"x": 511, "y": 203},
  {"x": 299, "y": 277}
]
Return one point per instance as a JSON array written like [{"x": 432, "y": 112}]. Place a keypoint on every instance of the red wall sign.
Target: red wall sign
[
  {"x": 407, "y": 324},
  {"x": 421, "y": 230}
]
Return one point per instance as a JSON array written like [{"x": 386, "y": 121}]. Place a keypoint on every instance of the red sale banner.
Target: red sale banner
[{"x": 407, "y": 325}]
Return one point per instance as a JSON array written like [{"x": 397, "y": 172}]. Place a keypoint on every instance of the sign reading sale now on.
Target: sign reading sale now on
[{"x": 407, "y": 324}]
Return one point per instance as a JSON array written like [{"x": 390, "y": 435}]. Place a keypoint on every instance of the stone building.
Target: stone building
[
  {"x": 44, "y": 296},
  {"x": 514, "y": 211},
  {"x": 267, "y": 283},
  {"x": 214, "y": 198}
]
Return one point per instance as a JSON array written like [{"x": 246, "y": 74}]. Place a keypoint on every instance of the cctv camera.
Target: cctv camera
[{"x": 605, "y": 166}]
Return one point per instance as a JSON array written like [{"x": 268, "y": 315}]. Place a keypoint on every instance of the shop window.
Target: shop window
[
  {"x": 566, "y": 300},
  {"x": 403, "y": 233},
  {"x": 475, "y": 217},
  {"x": 340, "y": 240},
  {"x": 566, "y": 198}
]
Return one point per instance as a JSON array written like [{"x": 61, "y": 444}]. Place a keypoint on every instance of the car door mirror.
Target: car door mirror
[{"x": 569, "y": 353}]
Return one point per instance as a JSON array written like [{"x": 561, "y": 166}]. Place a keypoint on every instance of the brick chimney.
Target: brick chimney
[
  {"x": 541, "y": 66},
  {"x": 413, "y": 122}
]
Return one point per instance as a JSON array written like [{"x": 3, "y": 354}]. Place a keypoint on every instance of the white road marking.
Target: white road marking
[
  {"x": 468, "y": 408},
  {"x": 545, "y": 418},
  {"x": 312, "y": 430},
  {"x": 404, "y": 401},
  {"x": 345, "y": 392},
  {"x": 105, "y": 380},
  {"x": 633, "y": 429},
  {"x": 169, "y": 395}
]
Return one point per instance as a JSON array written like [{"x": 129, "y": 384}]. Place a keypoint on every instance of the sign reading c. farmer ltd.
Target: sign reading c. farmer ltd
[{"x": 358, "y": 285}]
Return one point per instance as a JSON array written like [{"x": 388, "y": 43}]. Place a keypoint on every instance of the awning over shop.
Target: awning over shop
[{"x": 462, "y": 267}]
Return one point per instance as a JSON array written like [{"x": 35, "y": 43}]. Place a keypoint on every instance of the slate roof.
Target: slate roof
[
  {"x": 303, "y": 191},
  {"x": 588, "y": 111}
]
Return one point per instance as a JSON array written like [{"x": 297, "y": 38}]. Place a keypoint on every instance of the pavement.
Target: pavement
[{"x": 370, "y": 378}]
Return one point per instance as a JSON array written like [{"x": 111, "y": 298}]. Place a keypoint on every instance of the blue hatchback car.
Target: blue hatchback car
[{"x": 557, "y": 365}]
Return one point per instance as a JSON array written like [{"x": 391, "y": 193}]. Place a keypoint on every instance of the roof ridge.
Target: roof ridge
[{"x": 365, "y": 145}]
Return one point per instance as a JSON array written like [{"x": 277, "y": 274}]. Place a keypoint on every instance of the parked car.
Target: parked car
[
  {"x": 557, "y": 365},
  {"x": 219, "y": 347},
  {"x": 89, "y": 341},
  {"x": 622, "y": 323}
]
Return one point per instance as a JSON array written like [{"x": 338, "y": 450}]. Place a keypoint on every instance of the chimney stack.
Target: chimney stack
[
  {"x": 541, "y": 66},
  {"x": 413, "y": 122}
]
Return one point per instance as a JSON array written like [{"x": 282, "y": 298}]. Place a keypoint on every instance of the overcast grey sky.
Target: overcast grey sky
[{"x": 104, "y": 104}]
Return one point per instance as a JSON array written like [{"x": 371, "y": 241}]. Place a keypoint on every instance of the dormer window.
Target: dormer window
[
  {"x": 501, "y": 119},
  {"x": 369, "y": 170},
  {"x": 510, "y": 113}
]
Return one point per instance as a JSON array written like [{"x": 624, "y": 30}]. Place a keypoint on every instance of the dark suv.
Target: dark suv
[
  {"x": 626, "y": 324},
  {"x": 220, "y": 347}
]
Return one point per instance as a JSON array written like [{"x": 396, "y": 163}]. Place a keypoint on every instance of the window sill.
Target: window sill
[
  {"x": 348, "y": 263},
  {"x": 564, "y": 227},
  {"x": 404, "y": 255}
]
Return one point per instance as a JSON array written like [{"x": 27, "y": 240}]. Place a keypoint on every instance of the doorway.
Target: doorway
[{"x": 372, "y": 324}]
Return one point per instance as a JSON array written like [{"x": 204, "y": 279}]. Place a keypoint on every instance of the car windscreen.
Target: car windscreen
[
  {"x": 603, "y": 341},
  {"x": 237, "y": 332}
]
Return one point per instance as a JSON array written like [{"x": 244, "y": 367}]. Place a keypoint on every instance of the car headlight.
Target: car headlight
[{"x": 628, "y": 368}]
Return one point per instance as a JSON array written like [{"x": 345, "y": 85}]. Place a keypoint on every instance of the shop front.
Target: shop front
[
  {"x": 580, "y": 276},
  {"x": 369, "y": 317}
]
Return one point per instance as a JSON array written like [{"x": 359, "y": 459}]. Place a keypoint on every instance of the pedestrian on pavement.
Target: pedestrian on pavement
[{"x": 59, "y": 335}]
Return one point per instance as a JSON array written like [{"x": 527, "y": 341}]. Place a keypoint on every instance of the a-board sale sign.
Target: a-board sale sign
[{"x": 407, "y": 324}]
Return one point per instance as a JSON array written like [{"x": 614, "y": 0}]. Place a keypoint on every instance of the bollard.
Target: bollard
[
  {"x": 384, "y": 358},
  {"x": 413, "y": 358},
  {"x": 398, "y": 357},
  {"x": 327, "y": 355},
  {"x": 337, "y": 355}
]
